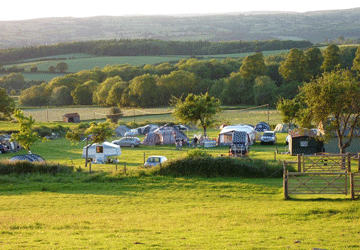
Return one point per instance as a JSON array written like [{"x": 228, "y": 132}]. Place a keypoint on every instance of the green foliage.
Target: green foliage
[
  {"x": 7, "y": 105},
  {"x": 26, "y": 167},
  {"x": 335, "y": 96},
  {"x": 197, "y": 152},
  {"x": 211, "y": 167},
  {"x": 197, "y": 109},
  {"x": 25, "y": 137},
  {"x": 253, "y": 66},
  {"x": 294, "y": 68},
  {"x": 114, "y": 114},
  {"x": 331, "y": 58}
]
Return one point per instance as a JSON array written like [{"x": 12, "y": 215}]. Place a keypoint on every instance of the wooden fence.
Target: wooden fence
[{"x": 322, "y": 174}]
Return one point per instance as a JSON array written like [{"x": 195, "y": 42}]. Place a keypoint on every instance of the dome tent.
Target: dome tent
[
  {"x": 164, "y": 135},
  {"x": 28, "y": 157}
]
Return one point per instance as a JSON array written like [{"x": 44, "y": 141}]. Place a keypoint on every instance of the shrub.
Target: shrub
[
  {"x": 192, "y": 153},
  {"x": 26, "y": 167},
  {"x": 220, "y": 167}
]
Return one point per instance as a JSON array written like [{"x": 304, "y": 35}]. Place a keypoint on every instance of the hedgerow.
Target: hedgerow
[
  {"x": 207, "y": 166},
  {"x": 26, "y": 167}
]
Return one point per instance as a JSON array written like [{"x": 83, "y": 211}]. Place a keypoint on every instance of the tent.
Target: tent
[
  {"x": 121, "y": 130},
  {"x": 28, "y": 157},
  {"x": 284, "y": 127},
  {"x": 100, "y": 152},
  {"x": 147, "y": 129},
  {"x": 262, "y": 126},
  {"x": 164, "y": 135},
  {"x": 226, "y": 134}
]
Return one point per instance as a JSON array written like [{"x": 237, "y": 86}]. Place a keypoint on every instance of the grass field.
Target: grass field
[
  {"x": 78, "y": 62},
  {"x": 113, "y": 210}
]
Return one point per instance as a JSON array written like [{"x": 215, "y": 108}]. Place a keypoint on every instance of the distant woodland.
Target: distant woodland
[
  {"x": 146, "y": 47},
  {"x": 316, "y": 27},
  {"x": 253, "y": 80}
]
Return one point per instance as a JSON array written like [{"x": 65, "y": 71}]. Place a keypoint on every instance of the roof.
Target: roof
[
  {"x": 298, "y": 132},
  {"x": 71, "y": 115}
]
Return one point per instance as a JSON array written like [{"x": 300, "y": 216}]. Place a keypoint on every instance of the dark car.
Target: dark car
[
  {"x": 268, "y": 137},
  {"x": 3, "y": 149}
]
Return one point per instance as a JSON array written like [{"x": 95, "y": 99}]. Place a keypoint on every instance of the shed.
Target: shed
[
  {"x": 303, "y": 141},
  {"x": 100, "y": 151},
  {"x": 71, "y": 117}
]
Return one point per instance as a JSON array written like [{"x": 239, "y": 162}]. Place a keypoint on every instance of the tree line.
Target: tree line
[
  {"x": 254, "y": 80},
  {"x": 146, "y": 47}
]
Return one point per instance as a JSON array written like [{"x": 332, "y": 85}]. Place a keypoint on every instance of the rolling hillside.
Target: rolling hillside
[{"x": 312, "y": 26}]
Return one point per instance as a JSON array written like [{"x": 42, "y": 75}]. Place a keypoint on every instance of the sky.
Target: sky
[{"x": 31, "y": 9}]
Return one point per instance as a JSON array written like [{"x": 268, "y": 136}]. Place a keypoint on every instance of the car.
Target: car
[
  {"x": 127, "y": 142},
  {"x": 268, "y": 137},
  {"x": 155, "y": 160},
  {"x": 3, "y": 149}
]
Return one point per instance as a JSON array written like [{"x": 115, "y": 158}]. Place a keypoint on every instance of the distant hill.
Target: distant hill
[{"x": 312, "y": 26}]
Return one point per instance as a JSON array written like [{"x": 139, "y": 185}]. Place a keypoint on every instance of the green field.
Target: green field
[
  {"x": 78, "y": 62},
  {"x": 114, "y": 209}
]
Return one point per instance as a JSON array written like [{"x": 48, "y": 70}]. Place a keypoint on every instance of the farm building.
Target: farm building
[
  {"x": 164, "y": 135},
  {"x": 71, "y": 117},
  {"x": 303, "y": 141},
  {"x": 226, "y": 134},
  {"x": 100, "y": 152}
]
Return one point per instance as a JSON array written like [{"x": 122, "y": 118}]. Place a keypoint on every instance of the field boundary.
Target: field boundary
[{"x": 322, "y": 174}]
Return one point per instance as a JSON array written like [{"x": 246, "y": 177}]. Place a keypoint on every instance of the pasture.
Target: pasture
[{"x": 114, "y": 209}]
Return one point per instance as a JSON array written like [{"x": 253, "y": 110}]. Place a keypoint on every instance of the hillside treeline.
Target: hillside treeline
[
  {"x": 252, "y": 80},
  {"x": 146, "y": 47}
]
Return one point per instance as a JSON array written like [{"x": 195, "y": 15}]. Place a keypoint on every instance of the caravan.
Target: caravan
[
  {"x": 226, "y": 134},
  {"x": 99, "y": 152}
]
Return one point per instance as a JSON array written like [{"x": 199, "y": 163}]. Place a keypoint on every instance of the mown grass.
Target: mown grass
[{"x": 153, "y": 212}]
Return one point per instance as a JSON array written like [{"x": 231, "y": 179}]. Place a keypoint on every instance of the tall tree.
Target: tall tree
[
  {"x": 314, "y": 60},
  {"x": 331, "y": 58},
  {"x": 144, "y": 89},
  {"x": 294, "y": 67},
  {"x": 356, "y": 62},
  {"x": 334, "y": 101},
  {"x": 200, "y": 110},
  {"x": 253, "y": 66},
  {"x": 7, "y": 105}
]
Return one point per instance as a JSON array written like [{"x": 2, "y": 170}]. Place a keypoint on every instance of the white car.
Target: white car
[
  {"x": 268, "y": 137},
  {"x": 155, "y": 160}
]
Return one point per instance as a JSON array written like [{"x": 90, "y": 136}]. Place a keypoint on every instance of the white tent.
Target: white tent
[
  {"x": 225, "y": 136},
  {"x": 100, "y": 152}
]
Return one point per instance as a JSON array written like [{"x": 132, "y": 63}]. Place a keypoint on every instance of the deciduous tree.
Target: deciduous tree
[
  {"x": 7, "y": 105},
  {"x": 200, "y": 110}
]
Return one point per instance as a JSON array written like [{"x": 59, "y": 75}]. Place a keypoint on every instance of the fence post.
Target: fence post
[
  {"x": 348, "y": 162},
  {"x": 275, "y": 155},
  {"x": 125, "y": 168},
  {"x": 90, "y": 167},
  {"x": 299, "y": 162},
  {"x": 144, "y": 157},
  {"x": 352, "y": 186},
  {"x": 285, "y": 182},
  {"x": 358, "y": 162}
]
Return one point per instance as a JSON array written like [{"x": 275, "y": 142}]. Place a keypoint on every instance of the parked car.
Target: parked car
[
  {"x": 128, "y": 142},
  {"x": 268, "y": 137},
  {"x": 3, "y": 149},
  {"x": 155, "y": 160}
]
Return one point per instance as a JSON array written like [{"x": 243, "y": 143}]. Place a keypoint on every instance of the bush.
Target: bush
[
  {"x": 26, "y": 167},
  {"x": 220, "y": 167},
  {"x": 192, "y": 153}
]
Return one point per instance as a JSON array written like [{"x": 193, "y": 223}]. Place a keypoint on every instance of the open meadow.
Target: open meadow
[{"x": 118, "y": 208}]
